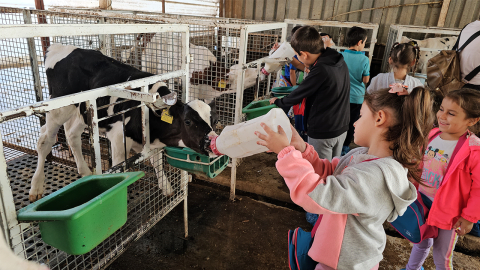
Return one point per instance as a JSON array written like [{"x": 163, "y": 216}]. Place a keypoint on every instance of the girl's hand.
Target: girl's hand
[
  {"x": 463, "y": 226},
  {"x": 274, "y": 141},
  {"x": 297, "y": 141},
  {"x": 272, "y": 100}
]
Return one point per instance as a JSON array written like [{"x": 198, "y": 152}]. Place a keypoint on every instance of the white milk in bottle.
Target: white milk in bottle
[{"x": 239, "y": 140}]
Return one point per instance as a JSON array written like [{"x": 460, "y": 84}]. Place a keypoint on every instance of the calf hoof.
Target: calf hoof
[{"x": 34, "y": 197}]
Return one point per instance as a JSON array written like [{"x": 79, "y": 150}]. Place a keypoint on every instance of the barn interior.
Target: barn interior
[{"x": 236, "y": 220}]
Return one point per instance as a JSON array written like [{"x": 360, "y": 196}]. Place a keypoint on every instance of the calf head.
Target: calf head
[{"x": 199, "y": 120}]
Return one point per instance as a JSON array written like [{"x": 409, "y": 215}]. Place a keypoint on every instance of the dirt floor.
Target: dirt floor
[{"x": 250, "y": 232}]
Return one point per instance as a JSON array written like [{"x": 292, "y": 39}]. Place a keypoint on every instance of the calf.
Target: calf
[
  {"x": 9, "y": 261},
  {"x": 208, "y": 78},
  {"x": 71, "y": 70}
]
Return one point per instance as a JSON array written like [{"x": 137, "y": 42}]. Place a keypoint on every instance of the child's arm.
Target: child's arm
[
  {"x": 293, "y": 77},
  {"x": 365, "y": 79},
  {"x": 471, "y": 212}
]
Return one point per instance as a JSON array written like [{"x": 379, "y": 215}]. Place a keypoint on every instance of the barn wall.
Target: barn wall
[{"x": 459, "y": 14}]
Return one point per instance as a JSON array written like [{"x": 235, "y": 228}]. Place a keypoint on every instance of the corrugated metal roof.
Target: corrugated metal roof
[{"x": 406, "y": 12}]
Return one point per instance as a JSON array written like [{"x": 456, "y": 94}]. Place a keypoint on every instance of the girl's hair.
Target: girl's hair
[
  {"x": 469, "y": 101},
  {"x": 403, "y": 54},
  {"x": 408, "y": 133}
]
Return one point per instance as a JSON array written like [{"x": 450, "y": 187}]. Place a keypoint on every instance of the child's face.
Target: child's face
[
  {"x": 363, "y": 126},
  {"x": 452, "y": 120}
]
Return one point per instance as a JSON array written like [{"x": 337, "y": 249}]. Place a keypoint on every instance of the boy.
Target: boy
[
  {"x": 327, "y": 93},
  {"x": 359, "y": 69}
]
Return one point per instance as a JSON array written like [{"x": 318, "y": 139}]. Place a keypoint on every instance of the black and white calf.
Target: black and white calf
[{"x": 71, "y": 70}]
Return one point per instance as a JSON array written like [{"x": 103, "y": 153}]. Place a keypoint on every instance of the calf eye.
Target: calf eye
[{"x": 187, "y": 122}]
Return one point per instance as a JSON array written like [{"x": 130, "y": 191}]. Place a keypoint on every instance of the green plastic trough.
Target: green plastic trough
[
  {"x": 191, "y": 161},
  {"x": 258, "y": 108},
  {"x": 81, "y": 215}
]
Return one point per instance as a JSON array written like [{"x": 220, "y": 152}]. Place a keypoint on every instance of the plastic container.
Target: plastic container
[
  {"x": 191, "y": 161},
  {"x": 258, "y": 108},
  {"x": 284, "y": 51},
  {"x": 239, "y": 140},
  {"x": 84, "y": 213}
]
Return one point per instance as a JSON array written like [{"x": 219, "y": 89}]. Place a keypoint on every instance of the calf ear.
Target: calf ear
[{"x": 213, "y": 106}]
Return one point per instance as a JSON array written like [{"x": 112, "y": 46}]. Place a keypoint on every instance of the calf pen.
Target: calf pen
[
  {"x": 397, "y": 32},
  {"x": 239, "y": 47},
  {"x": 24, "y": 93}
]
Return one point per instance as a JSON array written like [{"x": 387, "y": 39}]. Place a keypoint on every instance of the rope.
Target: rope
[{"x": 385, "y": 7}]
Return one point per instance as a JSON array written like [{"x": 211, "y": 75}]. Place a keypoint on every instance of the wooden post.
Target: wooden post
[
  {"x": 163, "y": 6},
  {"x": 443, "y": 13},
  {"x": 42, "y": 19},
  {"x": 105, "y": 4},
  {"x": 221, "y": 12}
]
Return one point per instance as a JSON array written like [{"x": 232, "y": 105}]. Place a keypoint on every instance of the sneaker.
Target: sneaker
[
  {"x": 421, "y": 268},
  {"x": 345, "y": 150}
]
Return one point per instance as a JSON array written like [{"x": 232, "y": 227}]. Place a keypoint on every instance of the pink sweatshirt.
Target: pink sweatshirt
[
  {"x": 459, "y": 193},
  {"x": 355, "y": 198}
]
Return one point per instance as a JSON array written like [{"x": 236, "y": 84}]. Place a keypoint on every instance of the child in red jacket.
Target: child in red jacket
[{"x": 452, "y": 176}]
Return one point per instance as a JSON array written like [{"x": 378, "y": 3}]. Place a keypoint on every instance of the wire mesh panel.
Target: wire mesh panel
[
  {"x": 431, "y": 41},
  {"x": 24, "y": 103},
  {"x": 215, "y": 67},
  {"x": 338, "y": 32}
]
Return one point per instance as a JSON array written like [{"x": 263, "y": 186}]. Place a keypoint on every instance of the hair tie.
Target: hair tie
[{"x": 399, "y": 89}]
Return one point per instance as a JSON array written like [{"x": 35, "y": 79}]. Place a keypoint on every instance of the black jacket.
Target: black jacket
[{"x": 327, "y": 89}]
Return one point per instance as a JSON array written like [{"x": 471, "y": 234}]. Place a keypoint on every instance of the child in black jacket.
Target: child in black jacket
[{"x": 327, "y": 93}]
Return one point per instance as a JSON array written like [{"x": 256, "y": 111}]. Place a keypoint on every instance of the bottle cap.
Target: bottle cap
[
  {"x": 264, "y": 71},
  {"x": 213, "y": 146}
]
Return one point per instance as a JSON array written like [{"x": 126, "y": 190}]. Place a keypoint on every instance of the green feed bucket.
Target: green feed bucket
[
  {"x": 258, "y": 108},
  {"x": 191, "y": 161},
  {"x": 81, "y": 215}
]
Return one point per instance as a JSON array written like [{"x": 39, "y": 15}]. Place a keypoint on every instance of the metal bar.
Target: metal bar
[
  {"x": 54, "y": 30},
  {"x": 135, "y": 95},
  {"x": 45, "y": 106},
  {"x": 8, "y": 215},
  {"x": 145, "y": 125},
  {"x": 264, "y": 26},
  {"x": 186, "y": 65},
  {"x": 124, "y": 144},
  {"x": 42, "y": 20},
  {"x": 94, "y": 136},
  {"x": 37, "y": 85}
]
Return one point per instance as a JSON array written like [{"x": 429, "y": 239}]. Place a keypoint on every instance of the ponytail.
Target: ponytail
[
  {"x": 402, "y": 54},
  {"x": 413, "y": 121}
]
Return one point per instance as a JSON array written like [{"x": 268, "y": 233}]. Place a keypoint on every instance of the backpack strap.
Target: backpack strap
[
  {"x": 470, "y": 39},
  {"x": 472, "y": 73}
]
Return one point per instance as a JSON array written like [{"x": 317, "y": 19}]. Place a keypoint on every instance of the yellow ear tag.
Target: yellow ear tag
[
  {"x": 166, "y": 117},
  {"x": 222, "y": 84}
]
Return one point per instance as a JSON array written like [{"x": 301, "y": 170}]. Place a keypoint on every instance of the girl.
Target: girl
[
  {"x": 454, "y": 183},
  {"x": 357, "y": 193},
  {"x": 402, "y": 57}
]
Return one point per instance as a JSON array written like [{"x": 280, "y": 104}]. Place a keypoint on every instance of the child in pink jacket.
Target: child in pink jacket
[
  {"x": 358, "y": 192},
  {"x": 451, "y": 172}
]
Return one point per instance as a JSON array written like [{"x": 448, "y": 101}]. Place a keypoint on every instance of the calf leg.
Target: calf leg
[
  {"x": 163, "y": 183},
  {"x": 48, "y": 132},
  {"x": 9, "y": 261},
  {"x": 74, "y": 128},
  {"x": 115, "y": 135}
]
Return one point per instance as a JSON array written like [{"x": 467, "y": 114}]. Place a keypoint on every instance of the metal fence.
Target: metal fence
[
  {"x": 401, "y": 33},
  {"x": 24, "y": 94},
  {"x": 227, "y": 54}
]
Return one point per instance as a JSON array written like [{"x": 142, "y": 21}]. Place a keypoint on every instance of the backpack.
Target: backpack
[
  {"x": 443, "y": 70},
  {"x": 412, "y": 224}
]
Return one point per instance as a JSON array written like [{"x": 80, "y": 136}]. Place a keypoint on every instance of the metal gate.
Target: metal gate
[{"x": 24, "y": 94}]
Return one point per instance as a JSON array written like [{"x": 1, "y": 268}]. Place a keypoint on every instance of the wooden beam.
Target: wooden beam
[
  {"x": 443, "y": 13},
  {"x": 42, "y": 19},
  {"x": 105, "y": 4}
]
